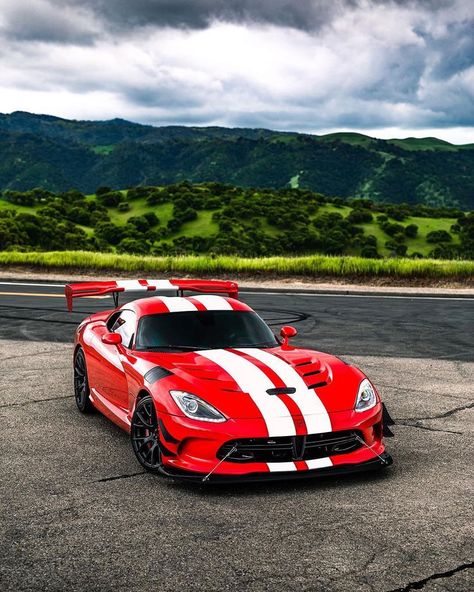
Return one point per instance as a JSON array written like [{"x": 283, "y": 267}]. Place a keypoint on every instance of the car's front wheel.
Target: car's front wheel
[
  {"x": 81, "y": 383},
  {"x": 145, "y": 435}
]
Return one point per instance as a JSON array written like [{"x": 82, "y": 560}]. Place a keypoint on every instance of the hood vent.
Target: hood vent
[
  {"x": 156, "y": 373},
  {"x": 317, "y": 385},
  {"x": 282, "y": 391}
]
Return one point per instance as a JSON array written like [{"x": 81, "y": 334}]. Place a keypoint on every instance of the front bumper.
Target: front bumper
[
  {"x": 191, "y": 450},
  {"x": 377, "y": 463}
]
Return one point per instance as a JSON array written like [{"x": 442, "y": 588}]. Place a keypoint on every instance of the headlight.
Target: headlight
[
  {"x": 366, "y": 397},
  {"x": 196, "y": 408}
]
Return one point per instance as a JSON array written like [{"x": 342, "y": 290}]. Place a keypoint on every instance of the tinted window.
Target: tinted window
[
  {"x": 203, "y": 330},
  {"x": 125, "y": 326}
]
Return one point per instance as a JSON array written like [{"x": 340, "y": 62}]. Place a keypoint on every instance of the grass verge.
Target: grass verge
[{"x": 309, "y": 266}]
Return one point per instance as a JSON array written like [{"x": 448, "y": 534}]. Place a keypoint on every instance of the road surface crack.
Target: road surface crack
[
  {"x": 24, "y": 403},
  {"x": 429, "y": 429},
  {"x": 420, "y": 584},
  {"x": 440, "y": 415},
  {"x": 125, "y": 476}
]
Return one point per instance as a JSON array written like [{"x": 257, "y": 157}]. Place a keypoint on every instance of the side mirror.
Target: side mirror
[
  {"x": 286, "y": 332},
  {"x": 112, "y": 338}
]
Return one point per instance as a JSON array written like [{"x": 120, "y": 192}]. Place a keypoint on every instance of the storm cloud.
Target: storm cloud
[{"x": 398, "y": 67}]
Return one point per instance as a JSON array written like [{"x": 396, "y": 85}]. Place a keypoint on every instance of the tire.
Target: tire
[
  {"x": 145, "y": 435},
  {"x": 81, "y": 383}
]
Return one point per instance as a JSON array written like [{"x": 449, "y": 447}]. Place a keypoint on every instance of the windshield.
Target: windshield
[{"x": 211, "y": 329}]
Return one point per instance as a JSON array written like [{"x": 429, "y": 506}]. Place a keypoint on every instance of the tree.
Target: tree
[{"x": 102, "y": 190}]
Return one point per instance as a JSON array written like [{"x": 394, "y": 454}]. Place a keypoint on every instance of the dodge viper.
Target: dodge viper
[{"x": 208, "y": 392}]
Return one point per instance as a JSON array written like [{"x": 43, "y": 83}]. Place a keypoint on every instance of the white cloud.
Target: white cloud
[{"x": 394, "y": 65}]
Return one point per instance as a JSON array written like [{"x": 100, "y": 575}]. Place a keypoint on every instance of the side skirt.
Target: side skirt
[{"x": 116, "y": 414}]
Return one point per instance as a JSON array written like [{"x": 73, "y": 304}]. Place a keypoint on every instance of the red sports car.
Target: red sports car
[{"x": 208, "y": 392}]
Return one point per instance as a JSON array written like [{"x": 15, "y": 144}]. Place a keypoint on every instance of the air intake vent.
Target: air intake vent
[{"x": 287, "y": 449}]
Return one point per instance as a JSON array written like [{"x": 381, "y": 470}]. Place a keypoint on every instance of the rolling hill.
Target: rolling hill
[{"x": 59, "y": 154}]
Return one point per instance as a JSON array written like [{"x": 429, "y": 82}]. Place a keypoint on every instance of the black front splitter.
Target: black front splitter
[{"x": 385, "y": 460}]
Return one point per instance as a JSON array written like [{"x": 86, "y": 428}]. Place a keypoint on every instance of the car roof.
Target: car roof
[{"x": 201, "y": 303}]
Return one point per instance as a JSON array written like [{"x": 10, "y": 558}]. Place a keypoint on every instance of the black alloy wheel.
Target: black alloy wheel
[
  {"x": 145, "y": 435},
  {"x": 81, "y": 384}
]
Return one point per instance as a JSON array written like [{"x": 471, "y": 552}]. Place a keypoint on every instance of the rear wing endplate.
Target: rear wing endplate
[{"x": 115, "y": 287}]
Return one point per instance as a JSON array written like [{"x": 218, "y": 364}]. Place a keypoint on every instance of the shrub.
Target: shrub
[
  {"x": 134, "y": 246},
  {"x": 102, "y": 191},
  {"x": 124, "y": 207},
  {"x": 111, "y": 199},
  {"x": 392, "y": 229},
  {"x": 360, "y": 216},
  {"x": 139, "y": 222},
  {"x": 438, "y": 236},
  {"x": 369, "y": 252},
  {"x": 151, "y": 218},
  {"x": 411, "y": 230}
]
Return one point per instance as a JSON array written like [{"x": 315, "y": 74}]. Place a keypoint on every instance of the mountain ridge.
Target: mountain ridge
[{"x": 60, "y": 154}]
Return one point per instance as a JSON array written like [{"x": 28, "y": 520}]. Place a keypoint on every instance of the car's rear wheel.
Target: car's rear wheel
[
  {"x": 145, "y": 435},
  {"x": 81, "y": 383}
]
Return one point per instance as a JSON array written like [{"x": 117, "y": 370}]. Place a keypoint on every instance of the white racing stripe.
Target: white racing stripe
[
  {"x": 253, "y": 381},
  {"x": 178, "y": 304},
  {"x": 319, "y": 463},
  {"x": 131, "y": 285},
  {"x": 315, "y": 463},
  {"x": 213, "y": 302},
  {"x": 161, "y": 284},
  {"x": 315, "y": 415},
  {"x": 281, "y": 467}
]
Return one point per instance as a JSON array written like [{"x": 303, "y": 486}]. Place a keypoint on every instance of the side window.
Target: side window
[{"x": 125, "y": 325}]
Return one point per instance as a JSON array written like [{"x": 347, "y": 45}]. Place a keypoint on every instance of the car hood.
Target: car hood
[{"x": 239, "y": 382}]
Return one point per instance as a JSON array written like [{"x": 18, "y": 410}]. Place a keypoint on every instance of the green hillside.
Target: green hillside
[
  {"x": 224, "y": 219},
  {"x": 59, "y": 155}
]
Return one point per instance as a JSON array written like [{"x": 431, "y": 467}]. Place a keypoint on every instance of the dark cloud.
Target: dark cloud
[
  {"x": 195, "y": 14},
  {"x": 323, "y": 64},
  {"x": 41, "y": 20}
]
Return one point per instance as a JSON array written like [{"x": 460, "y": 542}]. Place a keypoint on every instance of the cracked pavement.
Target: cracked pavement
[{"x": 78, "y": 513}]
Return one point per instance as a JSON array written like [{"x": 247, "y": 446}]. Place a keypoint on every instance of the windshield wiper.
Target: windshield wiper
[
  {"x": 167, "y": 347},
  {"x": 261, "y": 344}
]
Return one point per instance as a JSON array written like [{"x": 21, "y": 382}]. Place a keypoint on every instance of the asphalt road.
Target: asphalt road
[{"x": 77, "y": 513}]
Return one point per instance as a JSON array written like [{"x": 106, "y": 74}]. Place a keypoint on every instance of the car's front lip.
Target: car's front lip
[{"x": 379, "y": 462}]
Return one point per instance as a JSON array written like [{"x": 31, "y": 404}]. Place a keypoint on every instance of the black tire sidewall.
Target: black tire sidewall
[
  {"x": 84, "y": 406},
  {"x": 142, "y": 401}
]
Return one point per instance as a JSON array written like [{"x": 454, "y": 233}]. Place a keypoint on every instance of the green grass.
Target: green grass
[
  {"x": 202, "y": 226},
  {"x": 6, "y": 205},
  {"x": 139, "y": 207},
  {"x": 427, "y": 144},
  {"x": 103, "y": 149},
  {"x": 310, "y": 266},
  {"x": 352, "y": 138}
]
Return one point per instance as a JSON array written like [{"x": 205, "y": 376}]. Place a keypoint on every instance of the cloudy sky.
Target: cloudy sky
[{"x": 385, "y": 67}]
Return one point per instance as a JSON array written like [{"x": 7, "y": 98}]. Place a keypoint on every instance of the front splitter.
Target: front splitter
[{"x": 385, "y": 460}]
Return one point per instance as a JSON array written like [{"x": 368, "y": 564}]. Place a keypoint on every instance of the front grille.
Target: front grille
[{"x": 291, "y": 448}]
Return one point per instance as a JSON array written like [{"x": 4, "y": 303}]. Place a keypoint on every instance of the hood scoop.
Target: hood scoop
[
  {"x": 314, "y": 374},
  {"x": 200, "y": 373}
]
